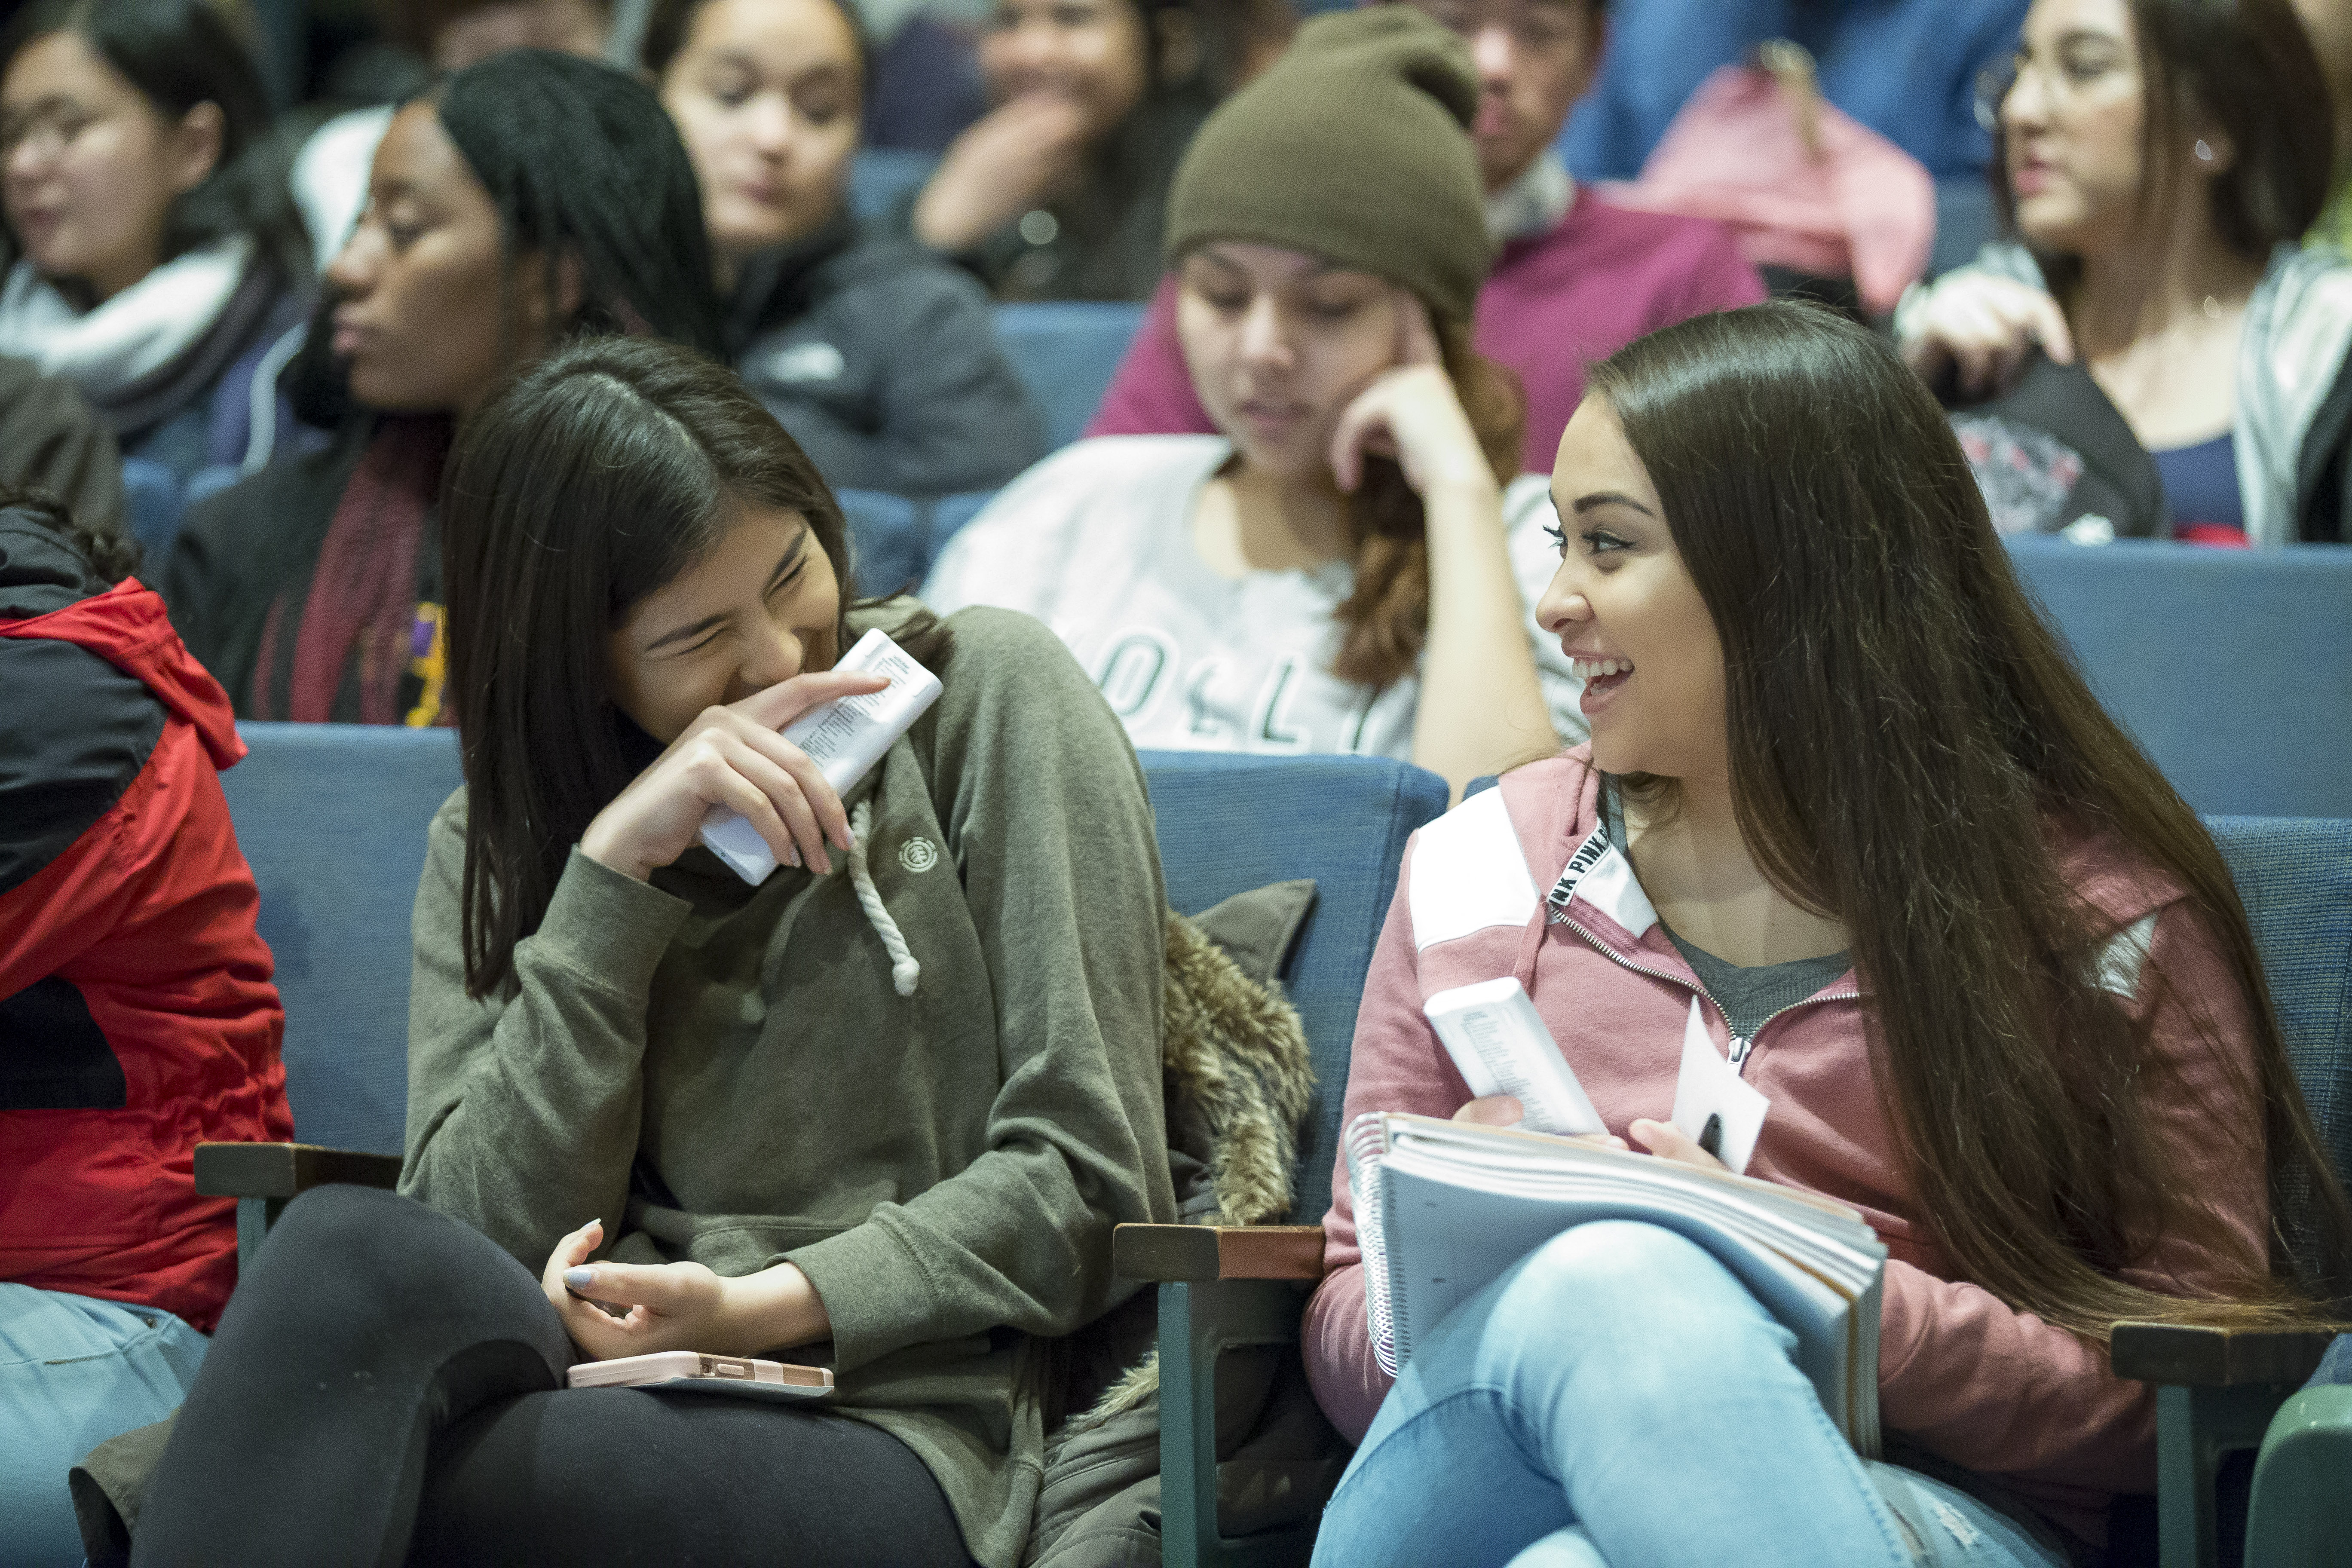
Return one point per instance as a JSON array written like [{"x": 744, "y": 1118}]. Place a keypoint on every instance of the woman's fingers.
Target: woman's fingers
[
  {"x": 1365, "y": 418},
  {"x": 1492, "y": 1110},
  {"x": 785, "y": 793},
  {"x": 1416, "y": 339},
  {"x": 779, "y": 704},
  {"x": 1668, "y": 1141},
  {"x": 829, "y": 818}
]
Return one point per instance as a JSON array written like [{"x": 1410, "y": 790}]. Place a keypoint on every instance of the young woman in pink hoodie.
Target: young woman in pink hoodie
[{"x": 1844, "y": 789}]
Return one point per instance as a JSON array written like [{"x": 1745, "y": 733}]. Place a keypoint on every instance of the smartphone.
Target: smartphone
[{"x": 702, "y": 1373}]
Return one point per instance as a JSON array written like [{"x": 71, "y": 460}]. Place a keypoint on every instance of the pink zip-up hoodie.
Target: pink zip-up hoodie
[{"x": 1996, "y": 1390}]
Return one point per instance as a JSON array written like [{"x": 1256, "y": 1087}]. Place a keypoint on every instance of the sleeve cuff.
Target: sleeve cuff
[
  {"x": 876, "y": 1294},
  {"x": 609, "y": 928}
]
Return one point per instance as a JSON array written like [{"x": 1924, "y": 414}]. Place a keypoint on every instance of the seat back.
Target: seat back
[
  {"x": 2296, "y": 876},
  {"x": 332, "y": 818},
  {"x": 1066, "y": 354},
  {"x": 2231, "y": 668},
  {"x": 1228, "y": 824},
  {"x": 880, "y": 178}
]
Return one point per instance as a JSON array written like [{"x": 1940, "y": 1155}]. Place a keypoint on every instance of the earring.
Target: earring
[{"x": 2204, "y": 153}]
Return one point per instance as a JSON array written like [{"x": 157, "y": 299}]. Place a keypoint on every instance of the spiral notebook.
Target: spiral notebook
[{"x": 1442, "y": 1207}]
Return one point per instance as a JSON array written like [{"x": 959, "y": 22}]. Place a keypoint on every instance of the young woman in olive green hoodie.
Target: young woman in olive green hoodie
[{"x": 878, "y": 1113}]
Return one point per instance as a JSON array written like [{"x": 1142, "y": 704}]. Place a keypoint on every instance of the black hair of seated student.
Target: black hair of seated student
[
  {"x": 671, "y": 22},
  {"x": 597, "y": 477},
  {"x": 179, "y": 54},
  {"x": 2250, "y": 66}
]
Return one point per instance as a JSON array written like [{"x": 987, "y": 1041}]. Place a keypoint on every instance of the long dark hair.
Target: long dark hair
[
  {"x": 179, "y": 54},
  {"x": 1911, "y": 748},
  {"x": 1384, "y": 620},
  {"x": 582, "y": 161},
  {"x": 590, "y": 481},
  {"x": 2248, "y": 66}
]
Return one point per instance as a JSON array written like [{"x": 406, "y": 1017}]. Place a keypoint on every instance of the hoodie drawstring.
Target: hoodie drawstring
[{"x": 904, "y": 970}]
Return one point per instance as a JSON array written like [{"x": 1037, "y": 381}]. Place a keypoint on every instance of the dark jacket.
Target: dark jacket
[
  {"x": 135, "y": 996},
  {"x": 882, "y": 360},
  {"x": 243, "y": 549},
  {"x": 50, "y": 439}
]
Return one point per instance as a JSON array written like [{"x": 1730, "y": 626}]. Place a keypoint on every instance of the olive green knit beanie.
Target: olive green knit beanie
[{"x": 1353, "y": 146}]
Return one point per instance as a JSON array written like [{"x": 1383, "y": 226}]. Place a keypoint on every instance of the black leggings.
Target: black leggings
[{"x": 387, "y": 1387}]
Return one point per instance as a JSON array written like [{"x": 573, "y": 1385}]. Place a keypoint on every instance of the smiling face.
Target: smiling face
[
  {"x": 1278, "y": 344},
  {"x": 91, "y": 168},
  {"x": 423, "y": 323},
  {"x": 2072, "y": 127},
  {"x": 765, "y": 95},
  {"x": 761, "y": 607},
  {"x": 1625, "y": 606},
  {"x": 1535, "y": 59},
  {"x": 1089, "y": 51}
]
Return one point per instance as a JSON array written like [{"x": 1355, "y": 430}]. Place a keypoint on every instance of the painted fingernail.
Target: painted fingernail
[
  {"x": 793, "y": 856},
  {"x": 579, "y": 1278}
]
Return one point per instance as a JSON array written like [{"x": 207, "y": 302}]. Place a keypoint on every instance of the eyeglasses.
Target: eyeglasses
[
  {"x": 2064, "y": 79},
  {"x": 47, "y": 130}
]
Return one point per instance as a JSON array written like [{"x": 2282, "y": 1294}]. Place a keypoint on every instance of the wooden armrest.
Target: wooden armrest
[
  {"x": 285, "y": 1170},
  {"x": 2196, "y": 1355},
  {"x": 1193, "y": 1253}
]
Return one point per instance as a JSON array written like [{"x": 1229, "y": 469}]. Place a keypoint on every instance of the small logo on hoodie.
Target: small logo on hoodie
[{"x": 918, "y": 855}]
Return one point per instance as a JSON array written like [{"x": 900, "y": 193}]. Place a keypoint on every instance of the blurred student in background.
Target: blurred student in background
[
  {"x": 1575, "y": 278},
  {"x": 155, "y": 251},
  {"x": 1340, "y": 568},
  {"x": 1060, "y": 192},
  {"x": 2329, "y": 24},
  {"x": 331, "y": 172},
  {"x": 136, "y": 1004},
  {"x": 878, "y": 356},
  {"x": 2161, "y": 160},
  {"x": 530, "y": 197}
]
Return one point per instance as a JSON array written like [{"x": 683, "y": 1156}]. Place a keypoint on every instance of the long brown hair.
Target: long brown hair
[
  {"x": 1385, "y": 620},
  {"x": 1911, "y": 750},
  {"x": 587, "y": 483}
]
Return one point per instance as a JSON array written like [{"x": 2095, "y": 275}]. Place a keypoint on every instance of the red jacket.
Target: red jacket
[{"x": 137, "y": 1016}]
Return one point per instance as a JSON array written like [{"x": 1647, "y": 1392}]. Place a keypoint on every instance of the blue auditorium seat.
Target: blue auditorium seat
[
  {"x": 2231, "y": 668},
  {"x": 332, "y": 820},
  {"x": 1065, "y": 353},
  {"x": 882, "y": 177},
  {"x": 889, "y": 539},
  {"x": 331, "y": 817}
]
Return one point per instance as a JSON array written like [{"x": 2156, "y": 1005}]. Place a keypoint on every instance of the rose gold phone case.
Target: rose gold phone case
[{"x": 696, "y": 1372}]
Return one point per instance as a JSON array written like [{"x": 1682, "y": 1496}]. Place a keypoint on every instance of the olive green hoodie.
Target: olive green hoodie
[{"x": 731, "y": 1070}]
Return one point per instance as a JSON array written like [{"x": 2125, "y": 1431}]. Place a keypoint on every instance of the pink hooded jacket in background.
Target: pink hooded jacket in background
[
  {"x": 1851, "y": 204},
  {"x": 1995, "y": 1390}
]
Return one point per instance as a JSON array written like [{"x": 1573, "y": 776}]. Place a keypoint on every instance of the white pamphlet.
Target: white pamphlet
[
  {"x": 1499, "y": 1044},
  {"x": 843, "y": 738}
]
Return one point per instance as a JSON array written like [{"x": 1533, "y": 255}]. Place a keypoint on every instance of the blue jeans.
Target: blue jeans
[
  {"x": 75, "y": 1371},
  {"x": 1617, "y": 1399}
]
